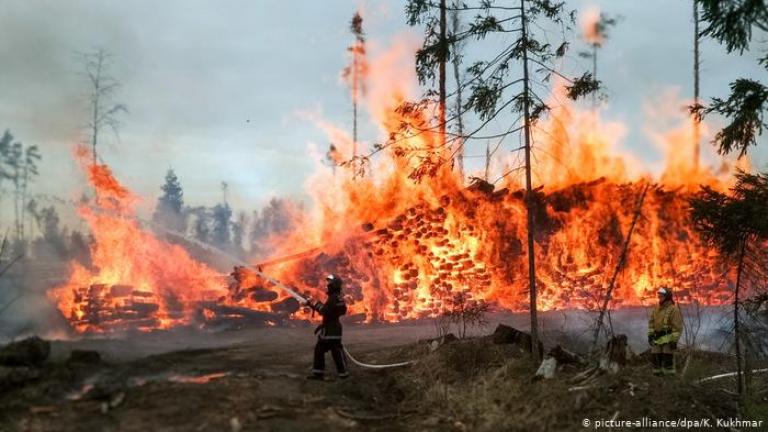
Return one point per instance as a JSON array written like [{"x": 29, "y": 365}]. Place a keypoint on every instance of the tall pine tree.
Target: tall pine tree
[
  {"x": 500, "y": 87},
  {"x": 169, "y": 212}
]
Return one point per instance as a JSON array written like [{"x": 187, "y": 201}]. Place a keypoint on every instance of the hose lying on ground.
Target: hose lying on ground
[
  {"x": 729, "y": 374},
  {"x": 371, "y": 366}
]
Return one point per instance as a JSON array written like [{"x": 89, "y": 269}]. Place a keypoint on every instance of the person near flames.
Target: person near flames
[
  {"x": 329, "y": 331},
  {"x": 664, "y": 329}
]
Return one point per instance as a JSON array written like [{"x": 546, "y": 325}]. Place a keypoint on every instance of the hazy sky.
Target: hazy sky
[{"x": 214, "y": 88}]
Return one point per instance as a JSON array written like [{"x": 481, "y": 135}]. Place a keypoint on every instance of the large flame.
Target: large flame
[
  {"x": 432, "y": 240},
  {"x": 137, "y": 281},
  {"x": 407, "y": 249}
]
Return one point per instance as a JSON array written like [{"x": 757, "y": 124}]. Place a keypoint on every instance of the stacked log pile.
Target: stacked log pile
[
  {"x": 415, "y": 264},
  {"x": 115, "y": 308},
  {"x": 428, "y": 250}
]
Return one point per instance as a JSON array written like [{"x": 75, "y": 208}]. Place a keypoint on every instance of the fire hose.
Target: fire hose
[
  {"x": 285, "y": 288},
  {"x": 306, "y": 301},
  {"x": 257, "y": 269},
  {"x": 373, "y": 366}
]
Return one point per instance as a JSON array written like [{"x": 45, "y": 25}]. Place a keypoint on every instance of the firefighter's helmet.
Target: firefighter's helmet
[
  {"x": 664, "y": 292},
  {"x": 334, "y": 283}
]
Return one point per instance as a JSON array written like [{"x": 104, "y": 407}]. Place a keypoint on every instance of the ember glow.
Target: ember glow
[{"x": 406, "y": 248}]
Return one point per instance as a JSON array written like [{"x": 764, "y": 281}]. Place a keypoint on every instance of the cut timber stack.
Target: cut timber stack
[
  {"x": 427, "y": 249},
  {"x": 114, "y": 308}
]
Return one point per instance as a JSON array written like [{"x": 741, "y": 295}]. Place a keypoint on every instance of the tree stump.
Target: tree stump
[
  {"x": 547, "y": 368},
  {"x": 556, "y": 357},
  {"x": 505, "y": 334},
  {"x": 615, "y": 355}
]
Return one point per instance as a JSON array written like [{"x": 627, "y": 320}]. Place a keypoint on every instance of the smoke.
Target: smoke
[
  {"x": 24, "y": 308},
  {"x": 706, "y": 328}
]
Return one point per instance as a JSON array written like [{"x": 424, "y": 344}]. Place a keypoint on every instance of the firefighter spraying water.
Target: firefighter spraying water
[{"x": 330, "y": 330}]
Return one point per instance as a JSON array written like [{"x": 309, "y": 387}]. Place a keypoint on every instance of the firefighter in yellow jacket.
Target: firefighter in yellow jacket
[{"x": 664, "y": 329}]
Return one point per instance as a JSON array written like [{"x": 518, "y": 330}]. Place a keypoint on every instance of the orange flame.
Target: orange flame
[
  {"x": 432, "y": 240},
  {"x": 137, "y": 281},
  {"x": 408, "y": 249}
]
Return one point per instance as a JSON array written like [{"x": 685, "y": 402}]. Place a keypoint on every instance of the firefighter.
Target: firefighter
[
  {"x": 664, "y": 329},
  {"x": 329, "y": 331}
]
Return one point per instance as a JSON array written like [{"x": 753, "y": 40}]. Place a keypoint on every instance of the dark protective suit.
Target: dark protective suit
[{"x": 329, "y": 336}]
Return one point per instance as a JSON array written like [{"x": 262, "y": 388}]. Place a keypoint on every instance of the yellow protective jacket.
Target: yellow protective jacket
[{"x": 665, "y": 323}]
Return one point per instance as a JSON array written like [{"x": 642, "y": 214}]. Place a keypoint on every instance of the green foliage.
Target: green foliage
[
  {"x": 484, "y": 97},
  {"x": 222, "y": 221},
  {"x": 173, "y": 195},
  {"x": 356, "y": 27},
  {"x": 18, "y": 164},
  {"x": 731, "y": 22},
  {"x": 745, "y": 110},
  {"x": 416, "y": 11},
  {"x": 169, "y": 211},
  {"x": 31, "y": 157},
  {"x": 495, "y": 85},
  {"x": 201, "y": 229},
  {"x": 727, "y": 221},
  {"x": 6, "y": 143},
  {"x": 582, "y": 86},
  {"x": 239, "y": 228}
]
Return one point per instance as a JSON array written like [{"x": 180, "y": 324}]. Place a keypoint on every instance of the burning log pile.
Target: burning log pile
[
  {"x": 462, "y": 244},
  {"x": 470, "y": 242},
  {"x": 421, "y": 236},
  {"x": 119, "y": 307},
  {"x": 467, "y": 245},
  {"x": 113, "y": 308}
]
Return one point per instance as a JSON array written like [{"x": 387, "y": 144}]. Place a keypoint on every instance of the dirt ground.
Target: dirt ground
[
  {"x": 242, "y": 380},
  {"x": 254, "y": 380}
]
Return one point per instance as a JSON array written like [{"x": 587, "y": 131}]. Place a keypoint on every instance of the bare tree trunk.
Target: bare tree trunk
[
  {"x": 355, "y": 83},
  {"x": 443, "y": 45},
  {"x": 696, "y": 64},
  {"x": 95, "y": 106},
  {"x": 455, "y": 59},
  {"x": 23, "y": 209},
  {"x": 16, "y": 194},
  {"x": 487, "y": 159},
  {"x": 96, "y": 111},
  {"x": 736, "y": 327},
  {"x": 594, "y": 75},
  {"x": 619, "y": 266},
  {"x": 528, "y": 190}
]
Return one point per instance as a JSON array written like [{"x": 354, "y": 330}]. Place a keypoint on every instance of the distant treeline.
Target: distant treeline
[{"x": 242, "y": 234}]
